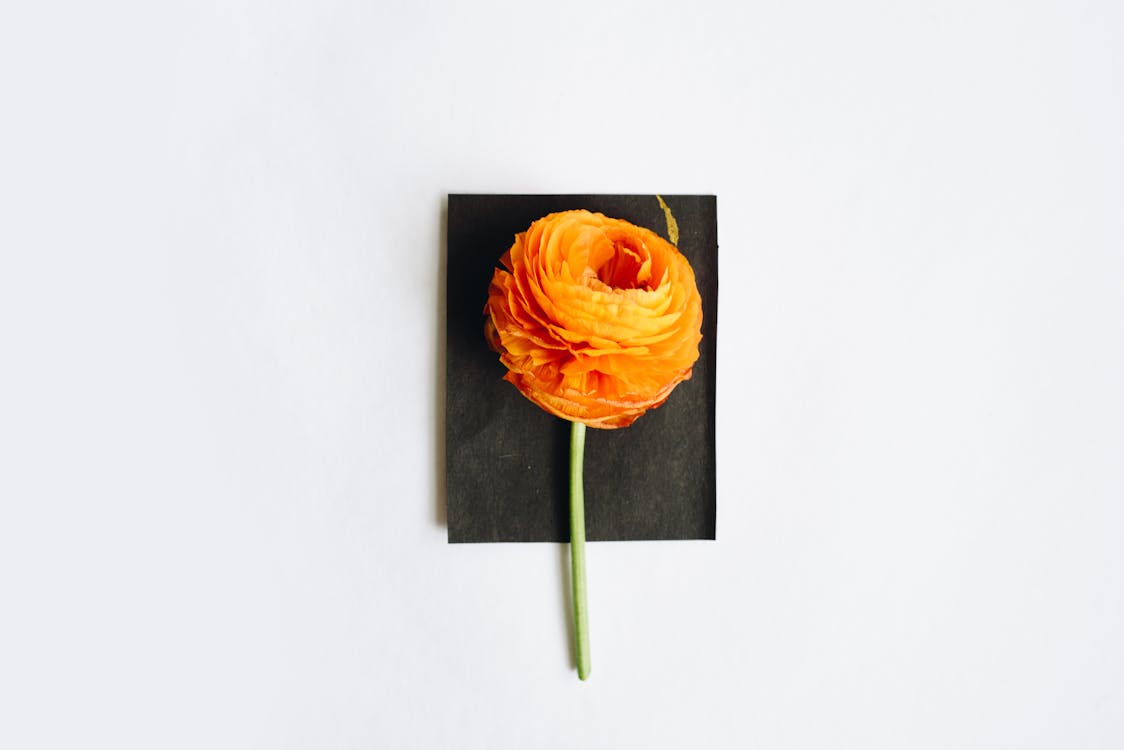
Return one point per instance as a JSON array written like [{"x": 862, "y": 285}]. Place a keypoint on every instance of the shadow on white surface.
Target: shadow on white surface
[{"x": 440, "y": 514}]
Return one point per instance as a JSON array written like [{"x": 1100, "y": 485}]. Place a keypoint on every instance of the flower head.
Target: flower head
[{"x": 596, "y": 319}]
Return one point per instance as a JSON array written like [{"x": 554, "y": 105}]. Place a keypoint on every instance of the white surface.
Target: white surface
[{"x": 221, "y": 241}]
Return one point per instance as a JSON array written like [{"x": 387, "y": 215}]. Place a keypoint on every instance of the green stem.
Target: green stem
[{"x": 577, "y": 548}]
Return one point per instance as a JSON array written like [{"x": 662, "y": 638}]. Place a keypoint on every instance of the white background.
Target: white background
[{"x": 220, "y": 391}]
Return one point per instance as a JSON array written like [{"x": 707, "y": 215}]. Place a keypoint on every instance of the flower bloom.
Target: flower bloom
[{"x": 596, "y": 319}]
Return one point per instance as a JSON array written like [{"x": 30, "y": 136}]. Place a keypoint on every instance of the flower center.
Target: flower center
[{"x": 626, "y": 268}]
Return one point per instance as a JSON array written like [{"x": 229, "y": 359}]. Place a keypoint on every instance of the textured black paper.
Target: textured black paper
[{"x": 507, "y": 460}]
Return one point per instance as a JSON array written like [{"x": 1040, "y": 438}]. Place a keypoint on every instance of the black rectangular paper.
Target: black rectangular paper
[{"x": 506, "y": 460}]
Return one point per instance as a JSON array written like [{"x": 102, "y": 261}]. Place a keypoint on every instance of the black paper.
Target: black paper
[{"x": 506, "y": 460}]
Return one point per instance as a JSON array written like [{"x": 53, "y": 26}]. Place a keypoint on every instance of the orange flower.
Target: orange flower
[{"x": 596, "y": 319}]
